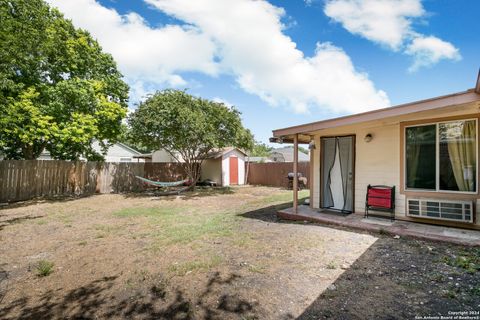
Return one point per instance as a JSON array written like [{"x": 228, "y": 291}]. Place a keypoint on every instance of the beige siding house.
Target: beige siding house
[{"x": 428, "y": 150}]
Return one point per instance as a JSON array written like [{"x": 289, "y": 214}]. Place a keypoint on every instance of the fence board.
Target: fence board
[
  {"x": 274, "y": 174},
  {"x": 26, "y": 179}
]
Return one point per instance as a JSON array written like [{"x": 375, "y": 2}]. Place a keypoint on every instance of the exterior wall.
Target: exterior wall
[
  {"x": 212, "y": 169},
  {"x": 226, "y": 167},
  {"x": 378, "y": 161},
  {"x": 163, "y": 156}
]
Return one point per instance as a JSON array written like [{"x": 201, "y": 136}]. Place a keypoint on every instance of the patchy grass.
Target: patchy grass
[
  {"x": 44, "y": 268},
  {"x": 156, "y": 212},
  {"x": 181, "y": 225},
  {"x": 284, "y": 197},
  {"x": 185, "y": 268}
]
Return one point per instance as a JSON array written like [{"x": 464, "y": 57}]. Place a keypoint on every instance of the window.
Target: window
[
  {"x": 442, "y": 156},
  {"x": 125, "y": 159}
]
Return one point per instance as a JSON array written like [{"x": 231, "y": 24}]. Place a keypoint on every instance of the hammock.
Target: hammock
[{"x": 162, "y": 184}]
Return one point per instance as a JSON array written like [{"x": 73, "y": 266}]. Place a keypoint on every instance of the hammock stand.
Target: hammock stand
[{"x": 160, "y": 184}]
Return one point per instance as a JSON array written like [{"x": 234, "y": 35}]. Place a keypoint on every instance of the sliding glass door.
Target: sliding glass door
[{"x": 337, "y": 173}]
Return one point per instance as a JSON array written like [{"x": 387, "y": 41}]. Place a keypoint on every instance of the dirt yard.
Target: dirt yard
[{"x": 217, "y": 254}]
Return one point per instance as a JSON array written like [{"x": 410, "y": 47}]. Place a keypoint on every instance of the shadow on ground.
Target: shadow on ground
[
  {"x": 4, "y": 223},
  {"x": 46, "y": 199},
  {"x": 396, "y": 279},
  {"x": 100, "y": 299}
]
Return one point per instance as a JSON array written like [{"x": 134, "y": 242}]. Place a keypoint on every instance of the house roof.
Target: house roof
[
  {"x": 124, "y": 146},
  {"x": 257, "y": 159},
  {"x": 458, "y": 98},
  {"x": 220, "y": 152},
  {"x": 287, "y": 153}
]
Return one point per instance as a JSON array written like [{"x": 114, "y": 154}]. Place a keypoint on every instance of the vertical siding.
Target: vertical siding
[{"x": 26, "y": 179}]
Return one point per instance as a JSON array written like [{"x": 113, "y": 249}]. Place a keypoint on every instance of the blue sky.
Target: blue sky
[{"x": 283, "y": 63}]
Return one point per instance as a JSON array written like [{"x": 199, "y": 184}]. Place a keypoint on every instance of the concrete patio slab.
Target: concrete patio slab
[{"x": 400, "y": 228}]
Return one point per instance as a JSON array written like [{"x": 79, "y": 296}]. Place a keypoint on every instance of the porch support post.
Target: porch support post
[{"x": 295, "y": 173}]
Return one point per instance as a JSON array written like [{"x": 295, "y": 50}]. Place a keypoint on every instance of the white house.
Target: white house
[{"x": 118, "y": 152}]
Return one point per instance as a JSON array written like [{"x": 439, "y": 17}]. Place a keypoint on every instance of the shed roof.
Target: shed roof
[{"x": 220, "y": 152}]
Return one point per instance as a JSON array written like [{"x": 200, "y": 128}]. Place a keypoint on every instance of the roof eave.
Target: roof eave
[{"x": 413, "y": 107}]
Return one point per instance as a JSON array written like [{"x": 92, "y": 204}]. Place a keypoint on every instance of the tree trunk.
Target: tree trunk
[{"x": 28, "y": 153}]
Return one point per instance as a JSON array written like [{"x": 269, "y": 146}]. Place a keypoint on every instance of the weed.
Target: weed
[
  {"x": 257, "y": 268},
  {"x": 331, "y": 265},
  {"x": 469, "y": 261},
  {"x": 44, "y": 268},
  {"x": 82, "y": 243}
]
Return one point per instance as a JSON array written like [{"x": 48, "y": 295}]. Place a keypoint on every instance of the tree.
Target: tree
[
  {"x": 260, "y": 149},
  {"x": 58, "y": 90},
  {"x": 127, "y": 137},
  {"x": 188, "y": 127}
]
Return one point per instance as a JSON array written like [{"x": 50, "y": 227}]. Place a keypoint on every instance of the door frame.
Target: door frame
[{"x": 354, "y": 142}]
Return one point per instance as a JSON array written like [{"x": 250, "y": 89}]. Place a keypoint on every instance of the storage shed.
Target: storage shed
[{"x": 225, "y": 167}]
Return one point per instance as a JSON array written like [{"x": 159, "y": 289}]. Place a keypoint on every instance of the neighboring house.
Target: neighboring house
[
  {"x": 286, "y": 155},
  {"x": 161, "y": 156},
  {"x": 118, "y": 152},
  {"x": 428, "y": 150},
  {"x": 226, "y": 167}
]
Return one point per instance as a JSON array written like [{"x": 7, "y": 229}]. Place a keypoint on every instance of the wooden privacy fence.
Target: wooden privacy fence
[
  {"x": 274, "y": 173},
  {"x": 26, "y": 179}
]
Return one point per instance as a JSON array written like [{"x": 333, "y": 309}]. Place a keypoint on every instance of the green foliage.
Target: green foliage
[
  {"x": 127, "y": 137},
  {"x": 44, "y": 268},
  {"x": 58, "y": 90},
  {"x": 467, "y": 260},
  {"x": 188, "y": 127},
  {"x": 260, "y": 149}
]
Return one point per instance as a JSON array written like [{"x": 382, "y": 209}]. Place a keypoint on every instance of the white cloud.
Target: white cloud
[
  {"x": 389, "y": 23},
  {"x": 241, "y": 38},
  {"x": 266, "y": 62},
  {"x": 430, "y": 50},
  {"x": 144, "y": 53},
  {"x": 386, "y": 21}
]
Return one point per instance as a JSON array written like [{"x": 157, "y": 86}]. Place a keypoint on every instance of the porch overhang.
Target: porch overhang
[{"x": 306, "y": 131}]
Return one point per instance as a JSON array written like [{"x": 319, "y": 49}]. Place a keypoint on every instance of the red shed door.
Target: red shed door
[{"x": 233, "y": 170}]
